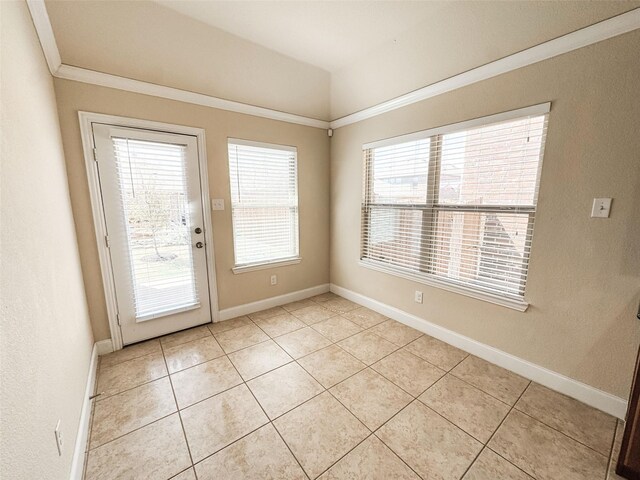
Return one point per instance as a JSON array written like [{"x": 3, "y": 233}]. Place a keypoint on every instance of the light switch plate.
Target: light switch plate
[
  {"x": 217, "y": 204},
  {"x": 601, "y": 208}
]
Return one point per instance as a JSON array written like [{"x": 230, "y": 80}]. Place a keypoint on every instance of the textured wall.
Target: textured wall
[
  {"x": 313, "y": 183},
  {"x": 584, "y": 277},
  {"x": 45, "y": 337}
]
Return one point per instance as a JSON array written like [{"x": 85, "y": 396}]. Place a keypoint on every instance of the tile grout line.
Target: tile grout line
[
  {"x": 175, "y": 399},
  {"x": 486, "y": 445}
]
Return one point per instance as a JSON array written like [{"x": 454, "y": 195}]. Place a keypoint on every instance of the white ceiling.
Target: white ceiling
[{"x": 327, "y": 34}]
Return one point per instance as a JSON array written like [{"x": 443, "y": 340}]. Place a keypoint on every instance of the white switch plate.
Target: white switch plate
[
  {"x": 418, "y": 297},
  {"x": 601, "y": 208},
  {"x": 274, "y": 279},
  {"x": 217, "y": 204}
]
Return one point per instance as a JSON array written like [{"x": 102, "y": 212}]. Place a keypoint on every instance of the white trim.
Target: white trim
[
  {"x": 44, "y": 30},
  {"x": 248, "y": 308},
  {"x": 532, "y": 111},
  {"x": 86, "y": 120},
  {"x": 251, "y": 143},
  {"x": 104, "y": 346},
  {"x": 58, "y": 69},
  {"x": 594, "y": 397},
  {"x": 263, "y": 266},
  {"x": 432, "y": 281},
  {"x": 598, "y": 32},
  {"x": 77, "y": 463}
]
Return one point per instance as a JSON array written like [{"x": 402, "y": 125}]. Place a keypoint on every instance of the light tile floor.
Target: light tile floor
[{"x": 325, "y": 388}]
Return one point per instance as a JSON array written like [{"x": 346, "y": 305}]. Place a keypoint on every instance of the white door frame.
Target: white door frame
[{"x": 86, "y": 121}]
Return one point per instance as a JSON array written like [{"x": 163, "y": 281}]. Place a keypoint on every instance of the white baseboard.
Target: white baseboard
[
  {"x": 248, "y": 308},
  {"x": 77, "y": 464},
  {"x": 587, "y": 394},
  {"x": 104, "y": 346}
]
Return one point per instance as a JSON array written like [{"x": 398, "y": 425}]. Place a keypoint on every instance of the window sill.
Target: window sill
[
  {"x": 262, "y": 266},
  {"x": 518, "y": 305}
]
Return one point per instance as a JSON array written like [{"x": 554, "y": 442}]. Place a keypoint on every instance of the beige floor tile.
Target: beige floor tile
[
  {"x": 396, "y": 332},
  {"x": 268, "y": 313},
  {"x": 491, "y": 466},
  {"x": 340, "y": 305},
  {"x": 226, "y": 325},
  {"x": 280, "y": 324},
  {"x": 496, "y": 381},
  {"x": 218, "y": 421},
  {"x": 409, "y": 372},
  {"x": 432, "y": 446},
  {"x": 130, "y": 352},
  {"x": 436, "y": 352},
  {"x": 336, "y": 328},
  {"x": 474, "y": 411},
  {"x": 615, "y": 452},
  {"x": 259, "y": 359},
  {"x": 325, "y": 297},
  {"x": 186, "y": 475},
  {"x": 331, "y": 365},
  {"x": 157, "y": 451},
  {"x": 293, "y": 306},
  {"x": 371, "y": 398},
  {"x": 589, "y": 426},
  {"x": 367, "y": 347},
  {"x": 192, "y": 353},
  {"x": 371, "y": 460},
  {"x": 545, "y": 453},
  {"x": 260, "y": 455},
  {"x": 185, "y": 336},
  {"x": 365, "y": 317},
  {"x": 319, "y": 432},
  {"x": 204, "y": 380},
  {"x": 313, "y": 314},
  {"x": 302, "y": 342},
  {"x": 129, "y": 374},
  {"x": 241, "y": 337},
  {"x": 283, "y": 389},
  {"x": 130, "y": 410}
]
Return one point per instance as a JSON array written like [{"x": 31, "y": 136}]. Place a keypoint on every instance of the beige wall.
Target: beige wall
[
  {"x": 459, "y": 36},
  {"x": 149, "y": 42},
  {"x": 313, "y": 178},
  {"x": 584, "y": 278},
  {"x": 45, "y": 337}
]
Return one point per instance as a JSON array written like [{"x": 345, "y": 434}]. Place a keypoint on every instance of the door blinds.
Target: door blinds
[
  {"x": 456, "y": 207},
  {"x": 264, "y": 202},
  {"x": 157, "y": 223}
]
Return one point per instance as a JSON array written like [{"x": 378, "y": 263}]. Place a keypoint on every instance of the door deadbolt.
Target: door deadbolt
[
  {"x": 199, "y": 245},
  {"x": 198, "y": 230}
]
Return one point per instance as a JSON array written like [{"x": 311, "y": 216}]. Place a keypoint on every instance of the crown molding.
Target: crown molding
[
  {"x": 58, "y": 69},
  {"x": 597, "y": 32}
]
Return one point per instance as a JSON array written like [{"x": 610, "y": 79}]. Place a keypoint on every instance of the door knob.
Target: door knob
[{"x": 199, "y": 244}]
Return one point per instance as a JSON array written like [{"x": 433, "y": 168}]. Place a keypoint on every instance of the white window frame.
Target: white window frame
[
  {"x": 432, "y": 280},
  {"x": 251, "y": 267}
]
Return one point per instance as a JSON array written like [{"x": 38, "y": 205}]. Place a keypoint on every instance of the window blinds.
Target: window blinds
[
  {"x": 456, "y": 206},
  {"x": 264, "y": 202},
  {"x": 157, "y": 224}
]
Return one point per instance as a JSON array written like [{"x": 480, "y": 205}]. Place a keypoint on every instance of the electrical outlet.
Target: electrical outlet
[
  {"x": 418, "y": 297},
  {"x": 274, "y": 279},
  {"x": 58, "y": 434}
]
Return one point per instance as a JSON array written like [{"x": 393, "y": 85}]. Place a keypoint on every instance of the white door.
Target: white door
[{"x": 150, "y": 187}]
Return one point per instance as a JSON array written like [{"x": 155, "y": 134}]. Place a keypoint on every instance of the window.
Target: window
[
  {"x": 264, "y": 203},
  {"x": 454, "y": 207}
]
